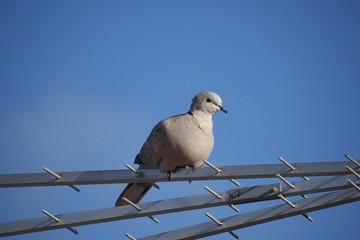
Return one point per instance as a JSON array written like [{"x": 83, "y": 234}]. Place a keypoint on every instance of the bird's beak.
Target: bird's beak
[{"x": 223, "y": 109}]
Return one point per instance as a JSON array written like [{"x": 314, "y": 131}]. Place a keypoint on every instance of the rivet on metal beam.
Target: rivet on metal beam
[
  {"x": 352, "y": 171},
  {"x": 219, "y": 197},
  {"x": 234, "y": 194},
  {"x": 57, "y": 176},
  {"x": 352, "y": 160},
  {"x": 137, "y": 207},
  {"x": 285, "y": 181},
  {"x": 353, "y": 184},
  {"x": 129, "y": 236},
  {"x": 220, "y": 171},
  {"x": 220, "y": 224},
  {"x": 58, "y": 220}
]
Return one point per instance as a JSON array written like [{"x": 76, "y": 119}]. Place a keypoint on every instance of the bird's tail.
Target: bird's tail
[{"x": 134, "y": 192}]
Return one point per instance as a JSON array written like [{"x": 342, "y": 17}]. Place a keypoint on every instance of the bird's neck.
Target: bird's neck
[{"x": 202, "y": 117}]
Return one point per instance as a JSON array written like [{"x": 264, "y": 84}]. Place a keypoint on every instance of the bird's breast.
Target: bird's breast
[{"x": 189, "y": 144}]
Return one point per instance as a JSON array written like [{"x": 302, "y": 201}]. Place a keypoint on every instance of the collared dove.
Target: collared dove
[{"x": 175, "y": 142}]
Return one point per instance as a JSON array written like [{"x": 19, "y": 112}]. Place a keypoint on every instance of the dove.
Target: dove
[{"x": 184, "y": 140}]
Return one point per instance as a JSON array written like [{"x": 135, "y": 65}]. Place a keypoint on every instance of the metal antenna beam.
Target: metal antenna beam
[
  {"x": 234, "y": 196},
  {"x": 261, "y": 216},
  {"x": 186, "y": 174}
]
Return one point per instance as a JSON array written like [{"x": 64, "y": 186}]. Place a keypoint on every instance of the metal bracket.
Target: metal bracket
[
  {"x": 344, "y": 181},
  {"x": 260, "y": 216},
  {"x": 233, "y": 196}
]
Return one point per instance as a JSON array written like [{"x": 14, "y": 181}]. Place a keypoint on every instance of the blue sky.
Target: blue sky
[{"x": 82, "y": 83}]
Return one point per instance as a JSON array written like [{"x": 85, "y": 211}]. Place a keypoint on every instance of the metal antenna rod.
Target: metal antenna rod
[
  {"x": 58, "y": 220},
  {"x": 352, "y": 171},
  {"x": 212, "y": 166},
  {"x": 219, "y": 197},
  {"x": 57, "y": 176},
  {"x": 285, "y": 181},
  {"x": 353, "y": 184},
  {"x": 139, "y": 208},
  {"x": 292, "y": 186},
  {"x": 139, "y": 173},
  {"x": 287, "y": 201},
  {"x": 286, "y": 163},
  {"x": 352, "y": 160},
  {"x": 213, "y": 218},
  {"x": 212, "y": 192},
  {"x": 220, "y": 224},
  {"x": 220, "y": 171},
  {"x": 129, "y": 236},
  {"x": 292, "y": 168}
]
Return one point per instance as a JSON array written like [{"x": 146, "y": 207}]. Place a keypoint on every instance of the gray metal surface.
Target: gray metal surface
[
  {"x": 233, "y": 196},
  {"x": 261, "y": 216},
  {"x": 186, "y": 174}
]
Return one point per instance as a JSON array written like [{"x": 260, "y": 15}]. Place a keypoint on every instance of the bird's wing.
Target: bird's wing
[
  {"x": 151, "y": 151},
  {"x": 149, "y": 156}
]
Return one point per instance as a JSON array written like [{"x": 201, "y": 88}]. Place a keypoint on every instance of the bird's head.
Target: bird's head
[{"x": 208, "y": 102}]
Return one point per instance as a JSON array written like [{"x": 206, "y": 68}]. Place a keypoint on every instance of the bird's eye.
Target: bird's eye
[{"x": 208, "y": 100}]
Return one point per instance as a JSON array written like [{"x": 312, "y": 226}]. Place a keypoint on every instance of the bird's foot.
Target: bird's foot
[
  {"x": 170, "y": 174},
  {"x": 193, "y": 170}
]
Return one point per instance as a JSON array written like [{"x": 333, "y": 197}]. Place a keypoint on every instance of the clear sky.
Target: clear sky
[{"x": 82, "y": 83}]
